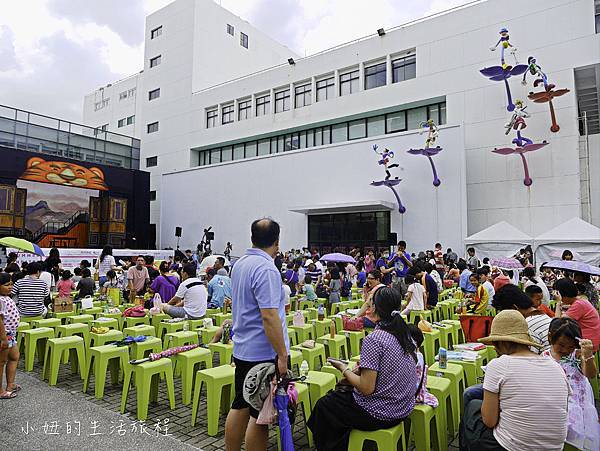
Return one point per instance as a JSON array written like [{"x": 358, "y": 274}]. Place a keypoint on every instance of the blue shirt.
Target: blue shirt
[
  {"x": 361, "y": 279},
  {"x": 401, "y": 267},
  {"x": 255, "y": 284},
  {"x": 386, "y": 278},
  {"x": 464, "y": 283},
  {"x": 432, "y": 290},
  {"x": 219, "y": 288}
]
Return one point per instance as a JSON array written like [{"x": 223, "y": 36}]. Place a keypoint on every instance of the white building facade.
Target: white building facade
[{"x": 236, "y": 131}]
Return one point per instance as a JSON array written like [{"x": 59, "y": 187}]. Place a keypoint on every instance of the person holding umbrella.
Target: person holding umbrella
[{"x": 382, "y": 387}]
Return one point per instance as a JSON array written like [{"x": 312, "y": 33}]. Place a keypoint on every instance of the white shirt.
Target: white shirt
[
  {"x": 287, "y": 292},
  {"x": 540, "y": 283},
  {"x": 105, "y": 265},
  {"x": 194, "y": 296},
  {"x": 438, "y": 280},
  {"x": 489, "y": 287},
  {"x": 47, "y": 277},
  {"x": 416, "y": 302},
  {"x": 533, "y": 396}
]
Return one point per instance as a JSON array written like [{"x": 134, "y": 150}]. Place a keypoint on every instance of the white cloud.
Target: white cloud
[{"x": 53, "y": 52}]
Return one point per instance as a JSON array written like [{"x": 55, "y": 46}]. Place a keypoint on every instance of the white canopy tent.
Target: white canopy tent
[
  {"x": 580, "y": 237},
  {"x": 499, "y": 240}
]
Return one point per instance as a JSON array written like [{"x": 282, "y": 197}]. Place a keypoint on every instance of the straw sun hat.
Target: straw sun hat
[{"x": 510, "y": 325}]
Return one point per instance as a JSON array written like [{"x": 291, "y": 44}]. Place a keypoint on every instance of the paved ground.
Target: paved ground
[{"x": 63, "y": 417}]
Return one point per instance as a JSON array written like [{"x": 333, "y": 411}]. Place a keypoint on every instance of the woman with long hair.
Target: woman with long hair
[
  {"x": 105, "y": 263},
  {"x": 381, "y": 390},
  {"x": 166, "y": 284},
  {"x": 53, "y": 265}
]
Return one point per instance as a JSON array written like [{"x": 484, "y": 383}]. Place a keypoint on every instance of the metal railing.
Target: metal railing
[
  {"x": 60, "y": 227},
  {"x": 25, "y": 130}
]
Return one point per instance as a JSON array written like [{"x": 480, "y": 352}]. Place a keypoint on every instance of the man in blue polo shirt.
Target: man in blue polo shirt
[
  {"x": 258, "y": 314},
  {"x": 402, "y": 262}
]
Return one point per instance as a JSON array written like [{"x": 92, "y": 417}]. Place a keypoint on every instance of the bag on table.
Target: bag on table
[
  {"x": 137, "y": 311},
  {"x": 353, "y": 324},
  {"x": 475, "y": 327}
]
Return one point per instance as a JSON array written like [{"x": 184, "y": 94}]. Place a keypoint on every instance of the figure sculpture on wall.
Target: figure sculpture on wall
[
  {"x": 430, "y": 148},
  {"x": 384, "y": 160},
  {"x": 522, "y": 143},
  {"x": 504, "y": 43}
]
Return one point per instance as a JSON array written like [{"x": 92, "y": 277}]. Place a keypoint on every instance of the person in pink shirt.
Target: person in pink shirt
[
  {"x": 65, "y": 285},
  {"x": 580, "y": 310},
  {"x": 369, "y": 262}
]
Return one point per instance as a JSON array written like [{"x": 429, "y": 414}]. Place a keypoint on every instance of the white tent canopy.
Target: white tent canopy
[
  {"x": 578, "y": 236},
  {"x": 499, "y": 240}
]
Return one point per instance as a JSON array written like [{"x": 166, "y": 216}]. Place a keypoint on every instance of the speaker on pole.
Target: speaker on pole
[
  {"x": 178, "y": 232},
  {"x": 392, "y": 238}
]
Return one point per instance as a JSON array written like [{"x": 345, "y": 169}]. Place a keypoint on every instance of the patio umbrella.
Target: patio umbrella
[
  {"x": 337, "y": 257},
  {"x": 280, "y": 402},
  {"x": 572, "y": 265},
  {"x": 506, "y": 263},
  {"x": 22, "y": 245},
  {"x": 166, "y": 353}
]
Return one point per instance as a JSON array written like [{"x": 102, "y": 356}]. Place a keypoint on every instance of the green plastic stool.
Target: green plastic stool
[
  {"x": 225, "y": 352},
  {"x": 131, "y": 321},
  {"x": 355, "y": 339},
  {"x": 304, "y": 399},
  {"x": 211, "y": 312},
  {"x": 423, "y": 314},
  {"x": 181, "y": 338},
  {"x": 143, "y": 349},
  {"x": 102, "y": 339},
  {"x": 446, "y": 338},
  {"x": 455, "y": 374},
  {"x": 146, "y": 384},
  {"x": 220, "y": 317},
  {"x": 319, "y": 384},
  {"x": 304, "y": 305},
  {"x": 155, "y": 321},
  {"x": 313, "y": 313},
  {"x": 168, "y": 328},
  {"x": 195, "y": 324},
  {"x": 63, "y": 316},
  {"x": 431, "y": 344},
  {"x": 321, "y": 327},
  {"x": 472, "y": 370},
  {"x": 458, "y": 335},
  {"x": 208, "y": 333},
  {"x": 336, "y": 347},
  {"x": 103, "y": 358},
  {"x": 216, "y": 380},
  {"x": 92, "y": 311},
  {"x": 293, "y": 337},
  {"x": 140, "y": 329},
  {"x": 445, "y": 310},
  {"x": 85, "y": 319},
  {"x": 313, "y": 356},
  {"x": 20, "y": 328},
  {"x": 29, "y": 319},
  {"x": 422, "y": 420},
  {"x": 492, "y": 353},
  {"x": 54, "y": 351},
  {"x": 303, "y": 332},
  {"x": 441, "y": 388},
  {"x": 70, "y": 330},
  {"x": 103, "y": 321},
  {"x": 36, "y": 340},
  {"x": 386, "y": 439},
  {"x": 296, "y": 359},
  {"x": 188, "y": 363},
  {"x": 328, "y": 368},
  {"x": 47, "y": 322}
]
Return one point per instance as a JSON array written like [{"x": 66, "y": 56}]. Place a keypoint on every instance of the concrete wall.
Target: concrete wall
[{"x": 229, "y": 196}]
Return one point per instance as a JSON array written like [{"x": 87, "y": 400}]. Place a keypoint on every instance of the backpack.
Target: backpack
[{"x": 346, "y": 287}]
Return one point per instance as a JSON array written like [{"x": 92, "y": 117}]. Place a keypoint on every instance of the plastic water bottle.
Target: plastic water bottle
[
  {"x": 186, "y": 326},
  {"x": 321, "y": 312},
  {"x": 304, "y": 368},
  {"x": 443, "y": 358}
]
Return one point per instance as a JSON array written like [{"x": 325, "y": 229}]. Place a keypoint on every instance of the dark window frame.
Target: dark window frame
[
  {"x": 347, "y": 79},
  {"x": 244, "y": 106},
  {"x": 280, "y": 98},
  {"x": 230, "y": 29},
  {"x": 150, "y": 128},
  {"x": 153, "y": 94},
  {"x": 403, "y": 63},
  {"x": 374, "y": 72},
  {"x": 244, "y": 39},
  {"x": 121, "y": 122},
  {"x": 152, "y": 195},
  {"x": 155, "y": 61},
  {"x": 227, "y": 114},
  {"x": 324, "y": 85},
  {"x": 131, "y": 120},
  {"x": 303, "y": 92},
  {"x": 263, "y": 103},
  {"x": 156, "y": 32},
  {"x": 152, "y": 162},
  {"x": 211, "y": 119}
]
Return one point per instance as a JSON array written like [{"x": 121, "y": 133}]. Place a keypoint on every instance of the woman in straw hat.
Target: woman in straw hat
[{"x": 517, "y": 411}]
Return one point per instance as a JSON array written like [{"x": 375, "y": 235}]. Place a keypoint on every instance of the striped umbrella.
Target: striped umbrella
[
  {"x": 506, "y": 263},
  {"x": 21, "y": 244}
]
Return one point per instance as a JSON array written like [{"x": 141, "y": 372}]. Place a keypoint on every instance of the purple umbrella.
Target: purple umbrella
[
  {"x": 572, "y": 265},
  {"x": 499, "y": 73},
  {"x": 337, "y": 257},
  {"x": 280, "y": 402},
  {"x": 506, "y": 263},
  {"x": 429, "y": 152}
]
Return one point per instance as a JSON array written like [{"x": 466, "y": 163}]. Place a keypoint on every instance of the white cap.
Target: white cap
[{"x": 308, "y": 262}]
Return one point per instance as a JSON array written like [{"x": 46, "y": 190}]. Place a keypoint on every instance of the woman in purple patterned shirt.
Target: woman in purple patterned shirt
[{"x": 382, "y": 385}]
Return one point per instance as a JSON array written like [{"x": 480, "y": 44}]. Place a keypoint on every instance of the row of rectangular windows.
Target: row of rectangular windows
[
  {"x": 345, "y": 131},
  {"x": 402, "y": 69},
  {"x": 126, "y": 121}
]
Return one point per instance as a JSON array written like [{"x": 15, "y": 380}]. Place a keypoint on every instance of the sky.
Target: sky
[{"x": 54, "y": 52}]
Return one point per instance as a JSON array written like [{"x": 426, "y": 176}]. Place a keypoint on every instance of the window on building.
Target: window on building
[
  {"x": 152, "y": 127},
  {"x": 339, "y": 132},
  {"x": 100, "y": 129},
  {"x": 101, "y": 104},
  {"x": 395, "y": 122},
  {"x": 325, "y": 89},
  {"x": 155, "y": 61},
  {"x": 151, "y": 162},
  {"x": 415, "y": 117},
  {"x": 243, "y": 39},
  {"x": 264, "y": 147},
  {"x": 122, "y": 95},
  {"x": 230, "y": 29},
  {"x": 349, "y": 83},
  {"x": 152, "y": 195},
  {"x": 154, "y": 94},
  {"x": 282, "y": 101},
  {"x": 211, "y": 118},
  {"x": 121, "y": 122},
  {"x": 227, "y": 114},
  {"x": 238, "y": 152},
  {"x": 357, "y": 129},
  {"x": 597, "y": 7},
  {"x": 215, "y": 156},
  {"x": 244, "y": 109},
  {"x": 263, "y": 105},
  {"x": 404, "y": 68},
  {"x": 156, "y": 32},
  {"x": 303, "y": 96},
  {"x": 375, "y": 76},
  {"x": 250, "y": 149},
  {"x": 226, "y": 153},
  {"x": 130, "y": 120},
  {"x": 376, "y": 126}
]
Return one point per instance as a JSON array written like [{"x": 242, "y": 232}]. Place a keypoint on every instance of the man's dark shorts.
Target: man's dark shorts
[{"x": 242, "y": 368}]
